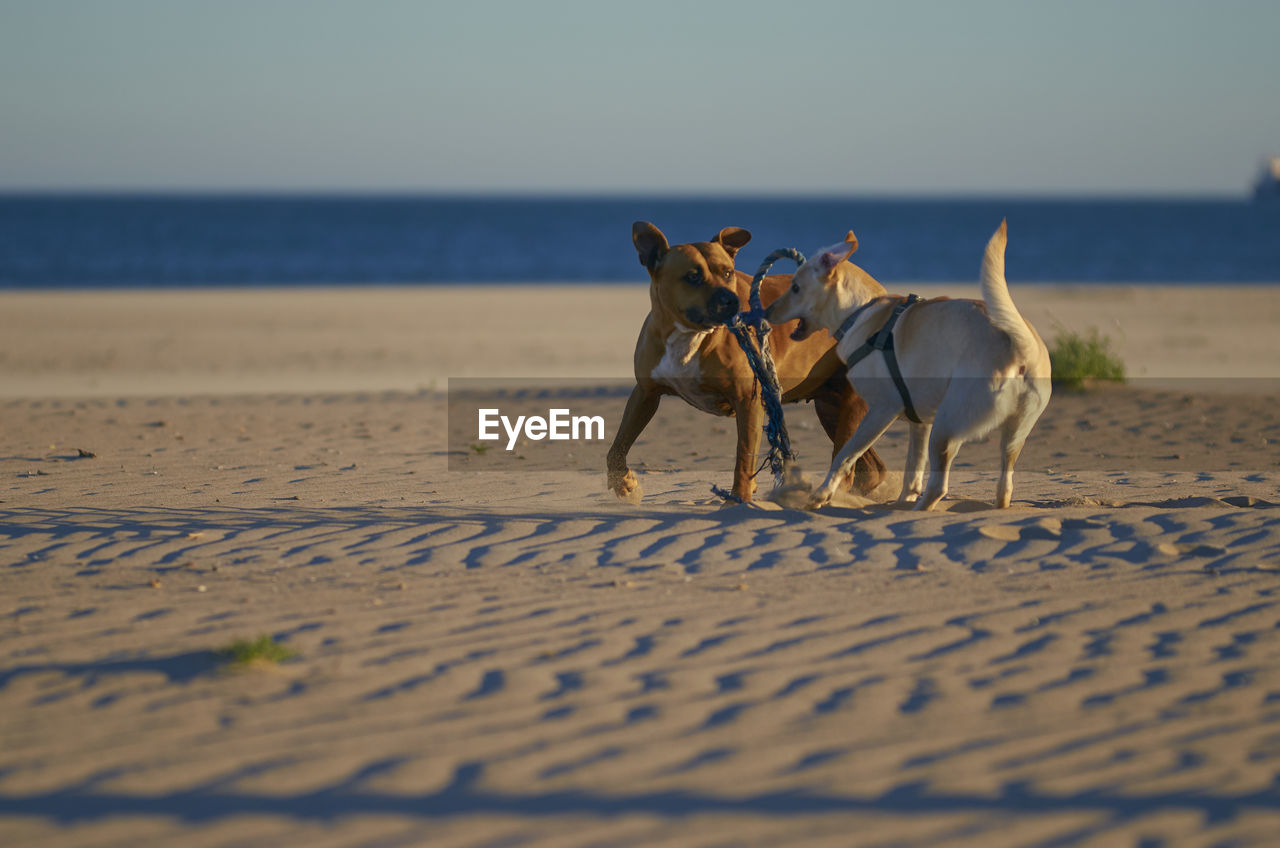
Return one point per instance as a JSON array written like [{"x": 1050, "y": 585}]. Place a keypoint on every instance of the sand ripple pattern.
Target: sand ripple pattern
[
  {"x": 505, "y": 659},
  {"x": 493, "y": 677}
]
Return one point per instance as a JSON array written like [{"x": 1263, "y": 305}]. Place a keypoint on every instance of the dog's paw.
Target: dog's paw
[
  {"x": 626, "y": 487},
  {"x": 866, "y": 477},
  {"x": 818, "y": 499},
  {"x": 926, "y": 504}
]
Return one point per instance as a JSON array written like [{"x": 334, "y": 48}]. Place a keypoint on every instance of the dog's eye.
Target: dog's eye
[
  {"x": 795, "y": 287},
  {"x": 728, "y": 275},
  {"x": 693, "y": 278}
]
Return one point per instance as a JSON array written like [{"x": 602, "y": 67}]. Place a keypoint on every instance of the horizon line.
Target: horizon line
[{"x": 614, "y": 194}]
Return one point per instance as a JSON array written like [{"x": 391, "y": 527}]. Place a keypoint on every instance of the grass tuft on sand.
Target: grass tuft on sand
[
  {"x": 1079, "y": 359},
  {"x": 261, "y": 651}
]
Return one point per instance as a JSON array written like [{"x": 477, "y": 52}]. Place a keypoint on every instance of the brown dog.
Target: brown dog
[{"x": 684, "y": 349}]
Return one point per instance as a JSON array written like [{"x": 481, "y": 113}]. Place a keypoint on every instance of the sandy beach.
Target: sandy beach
[{"x": 496, "y": 655}]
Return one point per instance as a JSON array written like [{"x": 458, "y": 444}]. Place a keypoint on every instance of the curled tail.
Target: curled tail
[{"x": 995, "y": 293}]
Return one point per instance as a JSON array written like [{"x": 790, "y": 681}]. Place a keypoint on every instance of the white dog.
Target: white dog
[{"x": 958, "y": 369}]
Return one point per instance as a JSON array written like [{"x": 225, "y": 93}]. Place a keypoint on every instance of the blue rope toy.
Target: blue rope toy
[{"x": 756, "y": 349}]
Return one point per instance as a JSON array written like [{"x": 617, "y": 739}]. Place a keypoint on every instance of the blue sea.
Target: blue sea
[{"x": 174, "y": 241}]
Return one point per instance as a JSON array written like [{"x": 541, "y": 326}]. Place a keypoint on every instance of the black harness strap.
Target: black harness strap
[{"x": 883, "y": 342}]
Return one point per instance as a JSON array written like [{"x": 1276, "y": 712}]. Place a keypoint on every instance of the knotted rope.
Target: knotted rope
[{"x": 752, "y": 332}]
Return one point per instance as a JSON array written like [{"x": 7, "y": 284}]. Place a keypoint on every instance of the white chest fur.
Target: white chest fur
[{"x": 680, "y": 369}]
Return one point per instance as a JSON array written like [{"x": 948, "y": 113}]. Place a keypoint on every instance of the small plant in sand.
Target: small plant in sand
[
  {"x": 261, "y": 651},
  {"x": 1079, "y": 359}
]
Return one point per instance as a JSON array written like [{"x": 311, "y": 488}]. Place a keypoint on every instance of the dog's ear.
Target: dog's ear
[
  {"x": 651, "y": 244},
  {"x": 837, "y": 253},
  {"x": 732, "y": 239}
]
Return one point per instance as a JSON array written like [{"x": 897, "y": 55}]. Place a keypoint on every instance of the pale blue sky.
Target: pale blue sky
[{"x": 970, "y": 96}]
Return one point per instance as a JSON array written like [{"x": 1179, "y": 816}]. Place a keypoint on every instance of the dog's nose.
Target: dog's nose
[{"x": 723, "y": 305}]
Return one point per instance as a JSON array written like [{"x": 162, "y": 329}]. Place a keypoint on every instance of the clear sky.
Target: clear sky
[{"x": 581, "y": 96}]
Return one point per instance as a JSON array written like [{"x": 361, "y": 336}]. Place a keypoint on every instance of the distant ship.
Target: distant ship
[{"x": 1268, "y": 185}]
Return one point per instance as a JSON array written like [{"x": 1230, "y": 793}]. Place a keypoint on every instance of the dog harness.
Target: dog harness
[{"x": 882, "y": 341}]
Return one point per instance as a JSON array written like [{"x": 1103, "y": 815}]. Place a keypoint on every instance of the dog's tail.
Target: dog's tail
[{"x": 995, "y": 293}]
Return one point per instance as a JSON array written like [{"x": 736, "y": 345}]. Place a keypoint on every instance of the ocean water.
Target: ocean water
[{"x": 73, "y": 241}]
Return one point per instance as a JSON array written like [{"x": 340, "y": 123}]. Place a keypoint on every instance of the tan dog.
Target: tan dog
[
  {"x": 684, "y": 349},
  {"x": 967, "y": 367}
]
